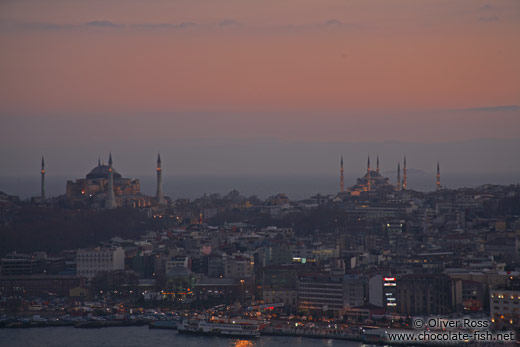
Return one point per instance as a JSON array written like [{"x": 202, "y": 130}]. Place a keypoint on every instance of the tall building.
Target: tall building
[
  {"x": 279, "y": 285},
  {"x": 341, "y": 181},
  {"x": 320, "y": 292},
  {"x": 398, "y": 186},
  {"x": 382, "y": 292},
  {"x": 110, "y": 202},
  {"x": 159, "y": 193},
  {"x": 43, "y": 197},
  {"x": 438, "y": 177},
  {"x": 405, "y": 184},
  {"x": 369, "y": 181}
]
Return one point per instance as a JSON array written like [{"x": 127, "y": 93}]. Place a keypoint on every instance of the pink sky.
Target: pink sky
[
  {"x": 383, "y": 55},
  {"x": 289, "y": 70}
]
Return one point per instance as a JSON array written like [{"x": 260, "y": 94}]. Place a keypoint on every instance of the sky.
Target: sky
[{"x": 248, "y": 87}]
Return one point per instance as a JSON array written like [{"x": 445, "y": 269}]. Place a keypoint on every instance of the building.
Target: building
[
  {"x": 371, "y": 181},
  {"x": 354, "y": 290},
  {"x": 428, "y": 294},
  {"x": 216, "y": 266},
  {"x": 279, "y": 285},
  {"x": 182, "y": 261},
  {"x": 239, "y": 266},
  {"x": 473, "y": 295},
  {"x": 288, "y": 297},
  {"x": 321, "y": 293},
  {"x": 505, "y": 306},
  {"x": 382, "y": 291},
  {"x": 18, "y": 264},
  {"x": 90, "y": 262},
  {"x": 38, "y": 285},
  {"x": 218, "y": 287},
  {"x": 94, "y": 189}
]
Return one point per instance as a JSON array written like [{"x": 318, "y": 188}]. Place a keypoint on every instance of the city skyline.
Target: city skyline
[
  {"x": 343, "y": 170},
  {"x": 299, "y": 186}
]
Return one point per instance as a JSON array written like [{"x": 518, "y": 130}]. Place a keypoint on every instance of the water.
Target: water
[
  {"x": 295, "y": 186},
  {"x": 142, "y": 336}
]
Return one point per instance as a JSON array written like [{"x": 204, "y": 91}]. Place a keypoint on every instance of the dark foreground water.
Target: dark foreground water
[{"x": 143, "y": 336}]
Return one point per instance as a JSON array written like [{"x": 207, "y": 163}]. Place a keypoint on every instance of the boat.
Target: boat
[
  {"x": 212, "y": 328},
  {"x": 163, "y": 324}
]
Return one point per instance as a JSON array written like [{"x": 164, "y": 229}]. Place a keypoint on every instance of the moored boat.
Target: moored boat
[
  {"x": 201, "y": 327},
  {"x": 163, "y": 324}
]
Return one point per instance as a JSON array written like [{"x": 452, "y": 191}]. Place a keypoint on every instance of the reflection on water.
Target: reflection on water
[
  {"x": 242, "y": 343},
  {"x": 143, "y": 336}
]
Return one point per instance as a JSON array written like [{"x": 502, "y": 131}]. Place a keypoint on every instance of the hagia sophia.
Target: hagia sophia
[{"x": 104, "y": 187}]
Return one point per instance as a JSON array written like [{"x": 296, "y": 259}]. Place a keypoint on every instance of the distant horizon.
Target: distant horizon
[
  {"x": 296, "y": 187},
  {"x": 266, "y": 157}
]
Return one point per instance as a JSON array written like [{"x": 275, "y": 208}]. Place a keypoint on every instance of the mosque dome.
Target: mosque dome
[{"x": 101, "y": 171}]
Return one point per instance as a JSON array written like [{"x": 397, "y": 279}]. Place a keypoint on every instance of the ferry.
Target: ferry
[
  {"x": 163, "y": 324},
  {"x": 201, "y": 327}
]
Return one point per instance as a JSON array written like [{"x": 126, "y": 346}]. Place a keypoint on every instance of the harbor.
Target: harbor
[{"x": 243, "y": 330}]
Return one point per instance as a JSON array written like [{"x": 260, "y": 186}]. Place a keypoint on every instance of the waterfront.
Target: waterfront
[{"x": 143, "y": 336}]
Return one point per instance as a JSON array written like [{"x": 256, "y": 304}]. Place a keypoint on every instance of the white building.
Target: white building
[
  {"x": 90, "y": 262},
  {"x": 289, "y": 297},
  {"x": 505, "y": 306},
  {"x": 181, "y": 261},
  {"x": 239, "y": 266}
]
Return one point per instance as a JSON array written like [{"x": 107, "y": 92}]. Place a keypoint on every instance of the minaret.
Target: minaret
[
  {"x": 438, "y": 177},
  {"x": 43, "y": 181},
  {"x": 398, "y": 186},
  {"x": 111, "y": 199},
  {"x": 377, "y": 163},
  {"x": 341, "y": 182},
  {"x": 99, "y": 162},
  {"x": 368, "y": 173},
  {"x": 159, "y": 193},
  {"x": 404, "y": 174}
]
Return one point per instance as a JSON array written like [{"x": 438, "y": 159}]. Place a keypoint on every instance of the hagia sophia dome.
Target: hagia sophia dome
[{"x": 102, "y": 171}]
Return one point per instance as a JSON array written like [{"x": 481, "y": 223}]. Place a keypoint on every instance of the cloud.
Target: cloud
[
  {"x": 12, "y": 26},
  {"x": 504, "y": 108},
  {"x": 489, "y": 19},
  {"x": 487, "y": 7},
  {"x": 153, "y": 26},
  {"x": 183, "y": 25},
  {"x": 229, "y": 23},
  {"x": 102, "y": 24},
  {"x": 333, "y": 23},
  {"x": 187, "y": 25}
]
